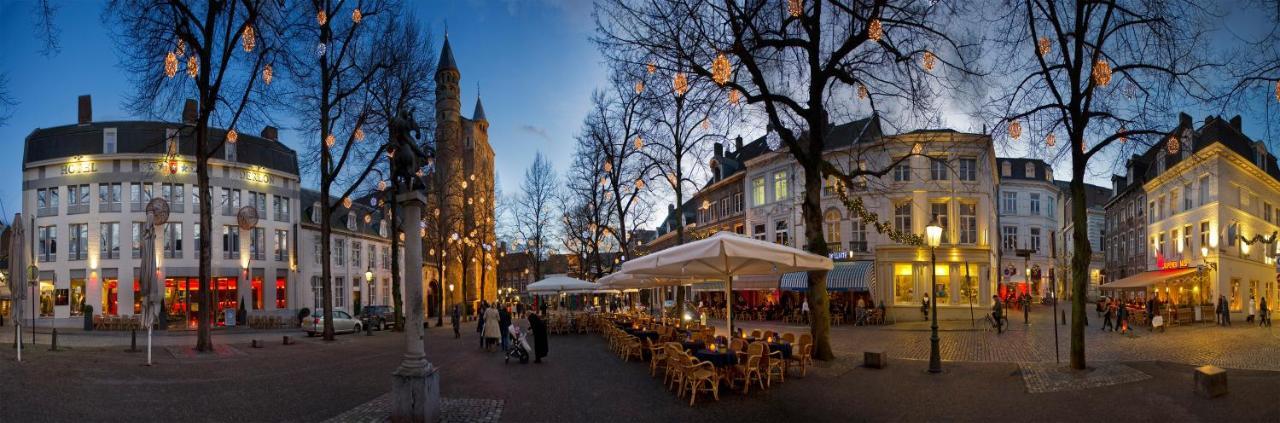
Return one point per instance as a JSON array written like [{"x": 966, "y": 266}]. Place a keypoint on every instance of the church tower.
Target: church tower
[{"x": 449, "y": 159}]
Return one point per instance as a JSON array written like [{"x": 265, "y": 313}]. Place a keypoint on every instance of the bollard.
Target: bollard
[
  {"x": 133, "y": 340},
  {"x": 288, "y": 340},
  {"x": 256, "y": 343},
  {"x": 53, "y": 346},
  {"x": 1064, "y": 317},
  {"x": 1210, "y": 381}
]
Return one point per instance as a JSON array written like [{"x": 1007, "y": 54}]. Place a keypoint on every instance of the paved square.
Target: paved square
[{"x": 1048, "y": 377}]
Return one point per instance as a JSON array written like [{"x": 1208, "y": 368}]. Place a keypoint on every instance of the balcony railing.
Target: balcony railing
[
  {"x": 46, "y": 211},
  {"x": 109, "y": 207},
  {"x": 81, "y": 208}
]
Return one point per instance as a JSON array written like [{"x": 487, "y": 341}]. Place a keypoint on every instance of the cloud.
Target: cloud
[{"x": 539, "y": 132}]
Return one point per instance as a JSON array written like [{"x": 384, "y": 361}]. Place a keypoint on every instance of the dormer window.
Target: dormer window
[
  {"x": 109, "y": 141},
  {"x": 351, "y": 221},
  {"x": 1188, "y": 142},
  {"x": 230, "y": 150},
  {"x": 1006, "y": 169},
  {"x": 382, "y": 228},
  {"x": 1031, "y": 170},
  {"x": 315, "y": 213}
]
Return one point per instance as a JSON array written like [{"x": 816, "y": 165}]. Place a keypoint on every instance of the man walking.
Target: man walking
[
  {"x": 453, "y": 319},
  {"x": 504, "y": 323},
  {"x": 997, "y": 313},
  {"x": 1106, "y": 316},
  {"x": 1264, "y": 313}
]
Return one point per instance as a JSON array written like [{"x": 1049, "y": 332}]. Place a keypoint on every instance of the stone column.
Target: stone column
[{"x": 415, "y": 387}]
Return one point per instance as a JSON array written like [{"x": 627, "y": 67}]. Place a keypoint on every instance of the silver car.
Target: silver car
[{"x": 342, "y": 322}]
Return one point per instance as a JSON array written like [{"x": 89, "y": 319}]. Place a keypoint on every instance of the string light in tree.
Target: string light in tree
[
  {"x": 681, "y": 83},
  {"x": 706, "y": 124},
  {"x": 322, "y": 18},
  {"x": 329, "y": 141},
  {"x": 248, "y": 39},
  {"x": 796, "y": 7},
  {"x": 1050, "y": 140},
  {"x": 651, "y": 68},
  {"x": 1101, "y": 73},
  {"x": 917, "y": 148},
  {"x": 639, "y": 184},
  {"x": 929, "y": 60},
  {"x": 232, "y": 136},
  {"x": 346, "y": 202},
  {"x": 382, "y": 185},
  {"x": 608, "y": 167},
  {"x": 874, "y": 30},
  {"x": 1123, "y": 139},
  {"x": 359, "y": 133},
  {"x": 182, "y": 48},
  {"x": 1044, "y": 47},
  {"x": 862, "y": 92},
  {"x": 639, "y": 142},
  {"x": 671, "y": 178},
  {"x": 1277, "y": 90},
  {"x": 1173, "y": 145},
  {"x": 193, "y": 66},
  {"x": 170, "y": 65},
  {"x": 268, "y": 73},
  {"x": 368, "y": 218},
  {"x": 639, "y": 87},
  {"x": 321, "y": 48},
  {"x": 356, "y": 16},
  {"x": 773, "y": 140},
  {"x": 721, "y": 70},
  {"x": 734, "y": 97},
  {"x": 1015, "y": 130}
]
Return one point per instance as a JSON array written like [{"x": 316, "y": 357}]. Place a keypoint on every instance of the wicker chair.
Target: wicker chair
[
  {"x": 789, "y": 338},
  {"x": 755, "y": 333},
  {"x": 702, "y": 377},
  {"x": 677, "y": 363},
  {"x": 748, "y": 367},
  {"x": 774, "y": 365},
  {"x": 631, "y": 347},
  {"x": 657, "y": 356},
  {"x": 802, "y": 354}
]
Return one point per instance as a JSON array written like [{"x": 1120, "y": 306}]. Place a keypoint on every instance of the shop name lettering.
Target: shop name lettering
[
  {"x": 259, "y": 177},
  {"x": 76, "y": 168}
]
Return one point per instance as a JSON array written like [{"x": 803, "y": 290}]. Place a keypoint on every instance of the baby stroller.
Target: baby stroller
[{"x": 519, "y": 349}]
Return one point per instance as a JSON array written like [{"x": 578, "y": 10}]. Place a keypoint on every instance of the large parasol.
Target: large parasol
[
  {"x": 17, "y": 279},
  {"x": 157, "y": 214}
]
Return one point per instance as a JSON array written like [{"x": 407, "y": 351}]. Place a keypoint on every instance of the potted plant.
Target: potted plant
[{"x": 87, "y": 311}]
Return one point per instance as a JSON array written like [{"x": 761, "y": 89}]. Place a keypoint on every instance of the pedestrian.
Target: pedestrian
[
  {"x": 1122, "y": 316},
  {"x": 543, "y": 308},
  {"x": 924, "y": 306},
  {"x": 453, "y": 319},
  {"x": 1101, "y": 305},
  {"x": 997, "y": 314},
  {"x": 539, "y": 329},
  {"x": 1026, "y": 309},
  {"x": 1226, "y": 311},
  {"x": 1151, "y": 311},
  {"x": 480, "y": 322},
  {"x": 1252, "y": 304},
  {"x": 1264, "y": 314},
  {"x": 1106, "y": 317},
  {"x": 504, "y": 324},
  {"x": 492, "y": 327}
]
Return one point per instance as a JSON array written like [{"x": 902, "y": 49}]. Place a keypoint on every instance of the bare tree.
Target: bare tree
[
  {"x": 535, "y": 210},
  {"x": 616, "y": 126},
  {"x": 1100, "y": 73},
  {"x": 6, "y": 100},
  {"x": 587, "y": 209},
  {"x": 45, "y": 12},
  {"x": 225, "y": 46},
  {"x": 799, "y": 59}
]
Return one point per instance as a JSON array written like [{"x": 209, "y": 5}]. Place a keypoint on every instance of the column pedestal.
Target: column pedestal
[
  {"x": 415, "y": 386},
  {"x": 416, "y": 394}
]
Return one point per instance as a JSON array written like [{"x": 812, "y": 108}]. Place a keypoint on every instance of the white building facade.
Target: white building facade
[
  {"x": 1029, "y": 220},
  {"x": 360, "y": 255}
]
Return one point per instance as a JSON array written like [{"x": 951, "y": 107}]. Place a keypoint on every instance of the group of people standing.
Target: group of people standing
[
  {"x": 494, "y": 325},
  {"x": 1258, "y": 312}
]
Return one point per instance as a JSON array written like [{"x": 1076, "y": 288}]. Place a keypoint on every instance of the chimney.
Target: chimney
[
  {"x": 737, "y": 143},
  {"x": 1236, "y": 122},
  {"x": 84, "y": 110},
  {"x": 719, "y": 150},
  {"x": 271, "y": 133},
  {"x": 1184, "y": 120},
  {"x": 190, "y": 111}
]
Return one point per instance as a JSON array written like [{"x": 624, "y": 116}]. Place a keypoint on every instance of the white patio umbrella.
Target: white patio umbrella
[
  {"x": 630, "y": 281},
  {"x": 17, "y": 278},
  {"x": 555, "y": 284},
  {"x": 149, "y": 285},
  {"x": 725, "y": 255}
]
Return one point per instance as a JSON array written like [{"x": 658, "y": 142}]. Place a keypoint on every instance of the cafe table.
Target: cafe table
[{"x": 718, "y": 358}]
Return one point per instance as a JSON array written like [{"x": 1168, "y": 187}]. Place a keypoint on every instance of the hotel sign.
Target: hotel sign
[
  {"x": 79, "y": 166},
  {"x": 257, "y": 175}
]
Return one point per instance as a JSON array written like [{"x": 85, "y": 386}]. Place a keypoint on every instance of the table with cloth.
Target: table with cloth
[
  {"x": 693, "y": 345},
  {"x": 718, "y": 358},
  {"x": 643, "y": 334}
]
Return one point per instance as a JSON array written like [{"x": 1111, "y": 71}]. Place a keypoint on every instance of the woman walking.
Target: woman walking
[
  {"x": 539, "y": 329},
  {"x": 492, "y": 327},
  {"x": 453, "y": 319}
]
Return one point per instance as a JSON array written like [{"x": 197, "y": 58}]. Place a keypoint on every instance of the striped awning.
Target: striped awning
[
  {"x": 742, "y": 283},
  {"x": 856, "y": 276}
]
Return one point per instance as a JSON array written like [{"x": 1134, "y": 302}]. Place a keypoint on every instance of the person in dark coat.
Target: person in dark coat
[
  {"x": 453, "y": 319},
  {"x": 480, "y": 323},
  {"x": 997, "y": 314},
  {"x": 504, "y": 322},
  {"x": 539, "y": 329},
  {"x": 1264, "y": 313}
]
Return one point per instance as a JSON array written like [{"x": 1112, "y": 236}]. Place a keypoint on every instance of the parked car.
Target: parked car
[
  {"x": 380, "y": 317},
  {"x": 342, "y": 322}
]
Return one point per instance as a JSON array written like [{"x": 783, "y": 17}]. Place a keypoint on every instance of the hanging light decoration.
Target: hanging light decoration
[
  {"x": 360, "y": 133},
  {"x": 346, "y": 202},
  {"x": 322, "y": 18},
  {"x": 248, "y": 39},
  {"x": 1277, "y": 98},
  {"x": 862, "y": 92},
  {"x": 874, "y": 30},
  {"x": 639, "y": 87},
  {"x": 773, "y": 140},
  {"x": 1173, "y": 145},
  {"x": 796, "y": 7},
  {"x": 681, "y": 83},
  {"x": 232, "y": 136},
  {"x": 1101, "y": 73},
  {"x": 193, "y": 66},
  {"x": 734, "y": 97},
  {"x": 604, "y": 181},
  {"x": 382, "y": 185},
  {"x": 181, "y": 48},
  {"x": 1043, "y": 46},
  {"x": 356, "y": 16},
  {"x": 267, "y": 73},
  {"x": 321, "y": 48},
  {"x": 706, "y": 124},
  {"x": 651, "y": 67},
  {"x": 639, "y": 184},
  {"x": 639, "y": 142},
  {"x": 368, "y": 218},
  {"x": 917, "y": 148},
  {"x": 608, "y": 167},
  {"x": 329, "y": 141},
  {"x": 170, "y": 65},
  {"x": 721, "y": 70},
  {"x": 1123, "y": 139},
  {"x": 671, "y": 178},
  {"x": 1050, "y": 140},
  {"x": 928, "y": 60},
  {"x": 1015, "y": 130}
]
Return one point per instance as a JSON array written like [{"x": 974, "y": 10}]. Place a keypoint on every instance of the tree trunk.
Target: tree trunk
[
  {"x": 1081, "y": 254},
  {"x": 679, "y": 307},
  {"x": 204, "y": 339},
  {"x": 815, "y": 242},
  {"x": 395, "y": 263}
]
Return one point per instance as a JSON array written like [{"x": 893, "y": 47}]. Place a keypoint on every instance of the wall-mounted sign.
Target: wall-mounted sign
[
  {"x": 79, "y": 165},
  {"x": 256, "y": 175}
]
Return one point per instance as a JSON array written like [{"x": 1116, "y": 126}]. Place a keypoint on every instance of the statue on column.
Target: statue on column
[{"x": 407, "y": 160}]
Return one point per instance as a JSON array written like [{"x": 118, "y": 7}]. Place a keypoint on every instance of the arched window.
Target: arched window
[{"x": 833, "y": 228}]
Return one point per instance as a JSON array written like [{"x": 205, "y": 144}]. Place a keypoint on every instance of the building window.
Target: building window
[
  {"x": 373, "y": 253},
  {"x": 1053, "y": 205},
  {"x": 258, "y": 243},
  {"x": 833, "y": 230},
  {"x": 230, "y": 201},
  {"x": 78, "y": 199},
  {"x": 351, "y": 221},
  {"x": 1186, "y": 197},
  {"x": 281, "y": 245},
  {"x": 1006, "y": 169},
  {"x": 1186, "y": 238},
  {"x": 195, "y": 238},
  {"x": 136, "y": 240},
  {"x": 758, "y": 232},
  {"x": 779, "y": 185},
  {"x": 109, "y": 240},
  {"x": 938, "y": 168},
  {"x": 231, "y": 242},
  {"x": 1204, "y": 190},
  {"x": 78, "y": 240},
  {"x": 109, "y": 198},
  {"x": 1266, "y": 211},
  {"x": 315, "y": 213},
  {"x": 109, "y": 141},
  {"x": 317, "y": 293},
  {"x": 737, "y": 203},
  {"x": 386, "y": 258},
  {"x": 281, "y": 207},
  {"x": 939, "y": 214},
  {"x": 902, "y": 284},
  {"x": 173, "y": 240},
  {"x": 1009, "y": 202},
  {"x": 902, "y": 217},
  {"x": 316, "y": 248},
  {"x": 48, "y": 243},
  {"x": 780, "y": 234},
  {"x": 174, "y": 195},
  {"x": 1035, "y": 203},
  {"x": 1009, "y": 238},
  {"x": 757, "y": 191},
  {"x": 195, "y": 199},
  {"x": 902, "y": 172},
  {"x": 968, "y": 223},
  {"x": 858, "y": 239},
  {"x": 230, "y": 150},
  {"x": 355, "y": 254},
  {"x": 139, "y": 195},
  {"x": 1034, "y": 235},
  {"x": 339, "y": 252},
  {"x": 967, "y": 169},
  {"x": 339, "y": 292},
  {"x": 1173, "y": 202},
  {"x": 830, "y": 184},
  {"x": 47, "y": 202},
  {"x": 1151, "y": 212}
]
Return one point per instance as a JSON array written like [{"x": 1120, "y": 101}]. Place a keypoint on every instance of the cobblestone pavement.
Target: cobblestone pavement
[
  {"x": 1048, "y": 377},
  {"x": 460, "y": 410},
  {"x": 1236, "y": 347}
]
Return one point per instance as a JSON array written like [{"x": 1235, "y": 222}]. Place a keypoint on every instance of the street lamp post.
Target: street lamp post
[
  {"x": 933, "y": 235},
  {"x": 368, "y": 279}
]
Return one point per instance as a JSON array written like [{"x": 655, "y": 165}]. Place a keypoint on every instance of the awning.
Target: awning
[
  {"x": 855, "y": 276},
  {"x": 742, "y": 283},
  {"x": 1148, "y": 278}
]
